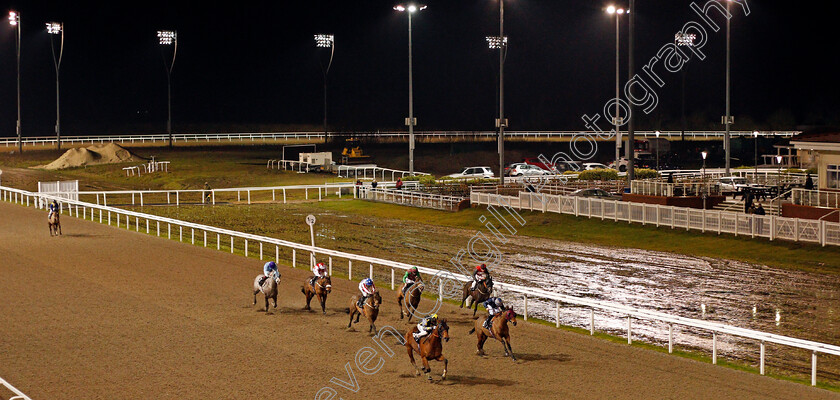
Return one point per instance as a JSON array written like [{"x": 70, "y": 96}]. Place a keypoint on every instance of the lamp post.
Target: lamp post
[
  {"x": 500, "y": 43},
  {"x": 684, "y": 39},
  {"x": 14, "y": 20},
  {"x": 169, "y": 38},
  {"x": 704, "y": 154},
  {"x": 617, "y": 120},
  {"x": 410, "y": 121},
  {"x": 755, "y": 137},
  {"x": 727, "y": 118},
  {"x": 326, "y": 41},
  {"x": 704, "y": 184},
  {"x": 657, "y": 150},
  {"x": 57, "y": 28}
]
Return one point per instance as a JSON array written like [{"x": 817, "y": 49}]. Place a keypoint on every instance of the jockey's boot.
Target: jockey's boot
[
  {"x": 262, "y": 280},
  {"x": 361, "y": 303},
  {"x": 312, "y": 282},
  {"x": 487, "y": 322}
]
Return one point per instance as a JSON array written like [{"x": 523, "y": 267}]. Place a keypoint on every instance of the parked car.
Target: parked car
[
  {"x": 510, "y": 167},
  {"x": 527, "y": 170},
  {"x": 595, "y": 192},
  {"x": 473, "y": 173},
  {"x": 535, "y": 161},
  {"x": 732, "y": 184},
  {"x": 594, "y": 165}
]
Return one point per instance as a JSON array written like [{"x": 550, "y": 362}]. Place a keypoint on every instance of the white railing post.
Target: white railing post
[
  {"x": 392, "y": 278},
  {"x": 591, "y": 321},
  {"x": 371, "y": 271},
  {"x": 761, "y": 359},
  {"x": 330, "y": 266},
  {"x": 350, "y": 270},
  {"x": 218, "y": 241},
  {"x": 813, "y": 368},
  {"x": 246, "y": 247},
  {"x": 525, "y": 307},
  {"x": 670, "y": 338},
  {"x": 557, "y": 314},
  {"x": 261, "y": 250},
  {"x": 277, "y": 254},
  {"x": 714, "y": 347},
  {"x": 231, "y": 244},
  {"x": 629, "y": 332},
  {"x": 294, "y": 258}
]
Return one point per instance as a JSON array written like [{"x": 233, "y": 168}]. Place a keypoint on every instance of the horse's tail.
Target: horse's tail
[
  {"x": 471, "y": 331},
  {"x": 302, "y": 290}
]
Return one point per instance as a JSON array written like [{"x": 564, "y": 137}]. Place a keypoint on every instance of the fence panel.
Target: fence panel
[
  {"x": 832, "y": 233},
  {"x": 785, "y": 228},
  {"x": 809, "y": 230}
]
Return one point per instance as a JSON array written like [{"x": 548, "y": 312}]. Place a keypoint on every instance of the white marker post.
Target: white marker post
[{"x": 310, "y": 220}]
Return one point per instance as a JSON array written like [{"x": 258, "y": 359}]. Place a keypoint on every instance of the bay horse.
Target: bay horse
[
  {"x": 498, "y": 330},
  {"x": 481, "y": 293},
  {"x": 429, "y": 348},
  {"x": 414, "y": 292},
  {"x": 323, "y": 287},
  {"x": 54, "y": 223},
  {"x": 268, "y": 288},
  {"x": 370, "y": 309}
]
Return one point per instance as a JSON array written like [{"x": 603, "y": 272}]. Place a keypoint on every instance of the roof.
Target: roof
[{"x": 822, "y": 136}]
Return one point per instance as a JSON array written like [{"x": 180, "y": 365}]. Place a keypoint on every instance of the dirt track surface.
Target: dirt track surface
[{"x": 107, "y": 313}]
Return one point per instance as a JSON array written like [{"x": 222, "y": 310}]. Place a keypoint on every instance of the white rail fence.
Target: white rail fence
[
  {"x": 300, "y": 166},
  {"x": 64, "y": 189},
  {"x": 352, "y": 171},
  {"x": 306, "y": 135},
  {"x": 18, "y": 394},
  {"x": 153, "y": 225},
  {"x": 816, "y": 198},
  {"x": 411, "y": 198},
  {"x": 766, "y": 226}
]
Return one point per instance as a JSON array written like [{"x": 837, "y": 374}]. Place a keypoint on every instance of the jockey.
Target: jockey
[
  {"x": 481, "y": 275},
  {"x": 411, "y": 276},
  {"x": 53, "y": 209},
  {"x": 320, "y": 271},
  {"x": 425, "y": 327},
  {"x": 269, "y": 269},
  {"x": 367, "y": 288},
  {"x": 494, "y": 306}
]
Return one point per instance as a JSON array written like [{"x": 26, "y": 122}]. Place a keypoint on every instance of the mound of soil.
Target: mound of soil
[{"x": 94, "y": 155}]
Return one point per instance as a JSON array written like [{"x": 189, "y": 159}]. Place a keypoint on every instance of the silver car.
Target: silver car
[{"x": 473, "y": 173}]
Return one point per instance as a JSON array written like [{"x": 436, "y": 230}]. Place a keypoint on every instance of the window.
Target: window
[{"x": 832, "y": 179}]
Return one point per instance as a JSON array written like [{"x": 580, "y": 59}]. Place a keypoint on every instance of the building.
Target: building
[{"x": 821, "y": 150}]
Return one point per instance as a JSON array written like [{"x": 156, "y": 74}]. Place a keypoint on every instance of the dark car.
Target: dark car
[{"x": 595, "y": 192}]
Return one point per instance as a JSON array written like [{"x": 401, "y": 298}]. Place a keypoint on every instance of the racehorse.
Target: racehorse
[
  {"x": 370, "y": 309},
  {"x": 268, "y": 288},
  {"x": 479, "y": 295},
  {"x": 498, "y": 330},
  {"x": 54, "y": 224},
  {"x": 429, "y": 348},
  {"x": 323, "y": 287},
  {"x": 413, "y": 299}
]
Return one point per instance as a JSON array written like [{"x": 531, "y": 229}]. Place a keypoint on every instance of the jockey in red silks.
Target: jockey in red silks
[{"x": 320, "y": 271}]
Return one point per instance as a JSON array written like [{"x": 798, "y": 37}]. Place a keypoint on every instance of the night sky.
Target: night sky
[{"x": 251, "y": 65}]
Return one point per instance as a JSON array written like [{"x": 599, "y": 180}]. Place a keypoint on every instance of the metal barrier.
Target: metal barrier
[
  {"x": 89, "y": 211},
  {"x": 411, "y": 198},
  {"x": 374, "y": 172},
  {"x": 658, "y": 188},
  {"x": 816, "y": 198},
  {"x": 302, "y": 166},
  {"x": 309, "y": 135},
  {"x": 768, "y": 226}
]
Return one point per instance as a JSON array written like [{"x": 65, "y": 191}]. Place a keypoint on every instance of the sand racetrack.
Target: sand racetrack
[{"x": 107, "y": 313}]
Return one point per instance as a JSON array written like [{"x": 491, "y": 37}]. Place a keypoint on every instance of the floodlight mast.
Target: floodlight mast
[
  {"x": 57, "y": 28},
  {"x": 326, "y": 41},
  {"x": 617, "y": 119},
  {"x": 169, "y": 38},
  {"x": 14, "y": 20},
  {"x": 410, "y": 121}
]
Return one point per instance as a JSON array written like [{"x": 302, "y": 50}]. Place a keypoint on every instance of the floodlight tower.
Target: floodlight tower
[
  {"x": 169, "y": 38},
  {"x": 617, "y": 119},
  {"x": 500, "y": 43},
  {"x": 410, "y": 121},
  {"x": 325, "y": 41},
  {"x": 14, "y": 20},
  {"x": 57, "y": 28}
]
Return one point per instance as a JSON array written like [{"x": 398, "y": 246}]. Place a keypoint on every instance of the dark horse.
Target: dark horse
[
  {"x": 498, "y": 330},
  {"x": 54, "y": 224},
  {"x": 479, "y": 295},
  {"x": 370, "y": 309},
  {"x": 323, "y": 287},
  {"x": 411, "y": 301},
  {"x": 429, "y": 348},
  {"x": 268, "y": 288}
]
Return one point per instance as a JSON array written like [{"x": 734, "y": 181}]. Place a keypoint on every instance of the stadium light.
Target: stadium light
[
  {"x": 617, "y": 119},
  {"x": 14, "y": 20},
  {"x": 169, "y": 38},
  {"x": 410, "y": 121},
  {"x": 325, "y": 41},
  {"x": 57, "y": 28}
]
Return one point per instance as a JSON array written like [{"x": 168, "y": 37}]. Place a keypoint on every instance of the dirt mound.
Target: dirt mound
[{"x": 94, "y": 155}]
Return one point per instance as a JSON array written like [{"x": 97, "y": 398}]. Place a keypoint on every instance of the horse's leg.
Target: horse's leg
[
  {"x": 266, "y": 304},
  {"x": 255, "y": 296},
  {"x": 400, "y": 303},
  {"x": 352, "y": 312},
  {"x": 481, "y": 339},
  {"x": 475, "y": 307},
  {"x": 426, "y": 368},
  {"x": 445, "y": 365},
  {"x": 308, "y": 299},
  {"x": 411, "y": 357},
  {"x": 59, "y": 228},
  {"x": 275, "y": 299},
  {"x": 323, "y": 299},
  {"x": 509, "y": 349}
]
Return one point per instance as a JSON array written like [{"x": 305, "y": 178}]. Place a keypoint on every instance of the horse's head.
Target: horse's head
[
  {"x": 377, "y": 299},
  {"x": 510, "y": 315},
  {"x": 419, "y": 286},
  {"x": 327, "y": 283},
  {"x": 443, "y": 330}
]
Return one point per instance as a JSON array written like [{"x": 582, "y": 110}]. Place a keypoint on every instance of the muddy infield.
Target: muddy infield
[{"x": 107, "y": 313}]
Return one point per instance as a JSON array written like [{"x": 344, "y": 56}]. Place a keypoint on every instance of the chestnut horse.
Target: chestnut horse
[
  {"x": 413, "y": 299},
  {"x": 54, "y": 223},
  {"x": 498, "y": 330},
  {"x": 268, "y": 288},
  {"x": 480, "y": 294},
  {"x": 323, "y": 287},
  {"x": 429, "y": 348},
  {"x": 370, "y": 310}
]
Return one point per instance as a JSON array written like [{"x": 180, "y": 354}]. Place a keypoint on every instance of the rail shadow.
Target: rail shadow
[{"x": 559, "y": 357}]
